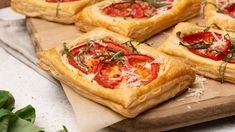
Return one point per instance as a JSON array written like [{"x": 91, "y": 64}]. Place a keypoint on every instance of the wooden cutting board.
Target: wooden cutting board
[
  {"x": 206, "y": 101},
  {"x": 4, "y": 3}
]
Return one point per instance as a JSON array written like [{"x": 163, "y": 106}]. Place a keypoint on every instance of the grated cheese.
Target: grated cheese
[
  {"x": 197, "y": 91},
  {"x": 218, "y": 42}
]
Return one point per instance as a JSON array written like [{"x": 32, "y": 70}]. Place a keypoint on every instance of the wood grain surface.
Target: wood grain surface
[{"x": 217, "y": 100}]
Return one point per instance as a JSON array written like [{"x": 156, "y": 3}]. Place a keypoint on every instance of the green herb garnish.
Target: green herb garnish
[
  {"x": 67, "y": 52},
  {"x": 129, "y": 44},
  {"x": 198, "y": 45},
  {"x": 57, "y": 8},
  {"x": 80, "y": 61},
  {"x": 116, "y": 57}
]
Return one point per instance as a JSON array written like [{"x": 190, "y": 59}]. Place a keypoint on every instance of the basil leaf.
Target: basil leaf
[
  {"x": 6, "y": 119},
  {"x": 6, "y": 100},
  {"x": 66, "y": 51},
  {"x": 10, "y": 122},
  {"x": 27, "y": 113}
]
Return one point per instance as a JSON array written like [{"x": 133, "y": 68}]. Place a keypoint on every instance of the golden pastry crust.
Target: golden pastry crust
[
  {"x": 203, "y": 66},
  {"x": 213, "y": 17},
  {"x": 127, "y": 101},
  {"x": 138, "y": 29},
  {"x": 47, "y": 10}
]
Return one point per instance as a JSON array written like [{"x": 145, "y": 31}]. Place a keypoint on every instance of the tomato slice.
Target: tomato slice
[
  {"x": 133, "y": 73},
  {"x": 92, "y": 57},
  {"x": 213, "y": 51},
  {"x": 54, "y": 1},
  {"x": 136, "y": 9}
]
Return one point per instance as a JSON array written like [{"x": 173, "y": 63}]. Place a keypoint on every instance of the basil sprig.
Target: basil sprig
[
  {"x": 130, "y": 44},
  {"x": 20, "y": 121},
  {"x": 57, "y": 8},
  {"x": 67, "y": 52},
  {"x": 79, "y": 59},
  {"x": 197, "y": 45},
  {"x": 115, "y": 58}
]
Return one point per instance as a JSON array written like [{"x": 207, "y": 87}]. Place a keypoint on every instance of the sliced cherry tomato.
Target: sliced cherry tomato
[
  {"x": 91, "y": 58},
  {"x": 137, "y": 9},
  {"x": 214, "y": 52},
  {"x": 53, "y": 1},
  {"x": 111, "y": 75}
]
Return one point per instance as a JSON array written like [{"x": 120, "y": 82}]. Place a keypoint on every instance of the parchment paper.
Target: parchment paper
[{"x": 92, "y": 116}]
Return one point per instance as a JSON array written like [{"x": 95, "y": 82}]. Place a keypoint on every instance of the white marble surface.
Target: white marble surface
[
  {"x": 52, "y": 106},
  {"x": 29, "y": 87}
]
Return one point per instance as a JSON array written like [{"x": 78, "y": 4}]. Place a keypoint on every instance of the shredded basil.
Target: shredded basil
[
  {"x": 198, "y": 45},
  {"x": 116, "y": 57},
  {"x": 80, "y": 61},
  {"x": 57, "y": 8},
  {"x": 129, "y": 44},
  {"x": 67, "y": 52}
]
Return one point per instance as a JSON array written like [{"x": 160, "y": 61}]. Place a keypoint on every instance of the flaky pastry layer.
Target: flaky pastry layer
[
  {"x": 203, "y": 66},
  {"x": 46, "y": 10},
  {"x": 213, "y": 17},
  {"x": 174, "y": 77},
  {"x": 138, "y": 29}
]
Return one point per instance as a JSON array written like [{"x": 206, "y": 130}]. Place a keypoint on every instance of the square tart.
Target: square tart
[
  {"x": 214, "y": 16},
  {"x": 208, "y": 67},
  {"x": 138, "y": 29},
  {"x": 174, "y": 77},
  {"x": 63, "y": 12}
]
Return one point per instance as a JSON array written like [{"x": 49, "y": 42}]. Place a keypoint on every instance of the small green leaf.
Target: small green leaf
[
  {"x": 27, "y": 113},
  {"x": 7, "y": 101},
  {"x": 57, "y": 8},
  {"x": 10, "y": 122},
  {"x": 66, "y": 51},
  {"x": 80, "y": 61}
]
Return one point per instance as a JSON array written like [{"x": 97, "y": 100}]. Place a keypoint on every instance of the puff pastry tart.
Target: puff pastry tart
[
  {"x": 137, "y": 19},
  {"x": 62, "y": 11},
  {"x": 221, "y": 13},
  {"x": 209, "y": 52},
  {"x": 113, "y": 70}
]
